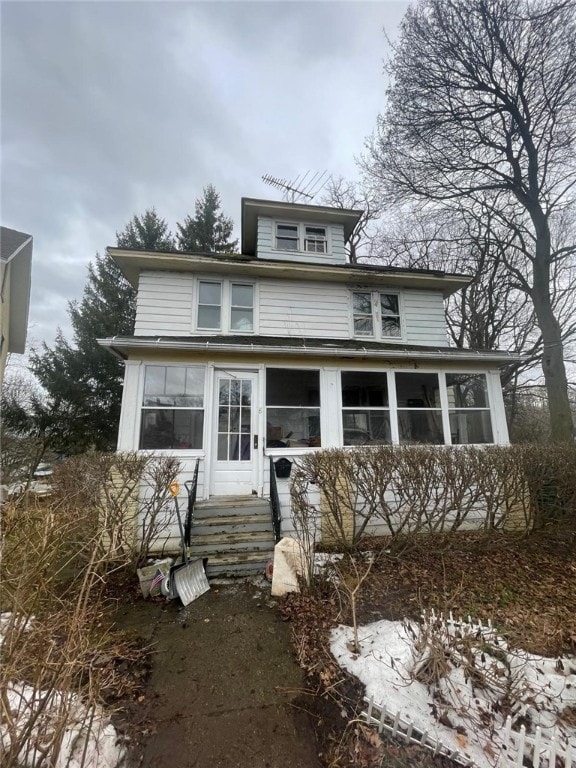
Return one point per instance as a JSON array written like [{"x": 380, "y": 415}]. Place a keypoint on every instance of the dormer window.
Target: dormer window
[
  {"x": 302, "y": 238},
  {"x": 287, "y": 237},
  {"x": 315, "y": 240}
]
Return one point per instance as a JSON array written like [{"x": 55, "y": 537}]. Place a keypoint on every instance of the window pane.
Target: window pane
[
  {"x": 364, "y": 388},
  {"x": 363, "y": 326},
  {"x": 171, "y": 385},
  {"x": 209, "y": 293},
  {"x": 467, "y": 390},
  {"x": 417, "y": 390},
  {"x": 209, "y": 317},
  {"x": 420, "y": 427},
  {"x": 468, "y": 427},
  {"x": 388, "y": 304},
  {"x": 286, "y": 245},
  {"x": 286, "y": 386},
  {"x": 223, "y": 447},
  {"x": 287, "y": 229},
  {"x": 242, "y": 295},
  {"x": 362, "y": 303},
  {"x": 242, "y": 320},
  {"x": 154, "y": 379},
  {"x": 317, "y": 231},
  {"x": 165, "y": 428},
  {"x": 292, "y": 427},
  {"x": 366, "y": 427},
  {"x": 390, "y": 326}
]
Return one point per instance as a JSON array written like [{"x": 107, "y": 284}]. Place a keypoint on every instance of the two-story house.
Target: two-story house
[{"x": 286, "y": 348}]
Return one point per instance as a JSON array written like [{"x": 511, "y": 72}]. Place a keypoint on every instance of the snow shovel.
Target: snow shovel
[{"x": 186, "y": 580}]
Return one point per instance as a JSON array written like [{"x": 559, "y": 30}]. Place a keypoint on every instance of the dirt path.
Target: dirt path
[{"x": 221, "y": 686}]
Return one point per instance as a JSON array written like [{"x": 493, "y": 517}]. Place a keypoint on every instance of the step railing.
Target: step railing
[{"x": 275, "y": 504}]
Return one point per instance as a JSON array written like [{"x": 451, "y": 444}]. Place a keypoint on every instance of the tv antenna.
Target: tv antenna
[{"x": 303, "y": 186}]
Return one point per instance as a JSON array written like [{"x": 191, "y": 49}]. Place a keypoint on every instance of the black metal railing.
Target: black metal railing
[
  {"x": 275, "y": 504},
  {"x": 191, "y": 486}
]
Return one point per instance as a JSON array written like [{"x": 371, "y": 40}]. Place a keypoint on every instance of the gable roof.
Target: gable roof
[{"x": 16, "y": 253}]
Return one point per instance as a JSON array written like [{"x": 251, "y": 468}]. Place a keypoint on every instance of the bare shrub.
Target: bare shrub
[{"x": 408, "y": 491}]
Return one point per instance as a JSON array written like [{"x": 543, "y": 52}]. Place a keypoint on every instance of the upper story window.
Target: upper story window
[
  {"x": 209, "y": 305},
  {"x": 376, "y": 314},
  {"x": 301, "y": 237},
  {"x": 225, "y": 306}
]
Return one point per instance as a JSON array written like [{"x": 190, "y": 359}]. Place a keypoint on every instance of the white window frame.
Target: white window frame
[
  {"x": 377, "y": 334},
  {"x": 226, "y": 306},
  {"x": 302, "y": 239}
]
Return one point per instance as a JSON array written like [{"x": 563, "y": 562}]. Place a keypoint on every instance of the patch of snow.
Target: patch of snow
[
  {"x": 542, "y": 688},
  {"x": 89, "y": 739}
]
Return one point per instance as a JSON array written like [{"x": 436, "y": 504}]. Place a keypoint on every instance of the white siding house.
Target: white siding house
[{"x": 285, "y": 348}]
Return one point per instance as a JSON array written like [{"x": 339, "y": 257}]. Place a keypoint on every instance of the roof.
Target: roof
[
  {"x": 16, "y": 251},
  {"x": 132, "y": 262},
  {"x": 304, "y": 346},
  {"x": 319, "y": 214}
]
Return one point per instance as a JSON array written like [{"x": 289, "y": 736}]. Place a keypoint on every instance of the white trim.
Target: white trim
[
  {"x": 376, "y": 315},
  {"x": 225, "y": 306}
]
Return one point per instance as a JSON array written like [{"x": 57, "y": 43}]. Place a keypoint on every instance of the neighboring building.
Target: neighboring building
[
  {"x": 15, "y": 274},
  {"x": 287, "y": 348}
]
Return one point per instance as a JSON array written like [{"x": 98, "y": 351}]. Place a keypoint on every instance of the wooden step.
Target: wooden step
[
  {"x": 231, "y": 542},
  {"x": 231, "y": 524}
]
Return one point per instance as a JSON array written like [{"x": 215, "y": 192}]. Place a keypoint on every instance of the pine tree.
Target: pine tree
[
  {"x": 209, "y": 231},
  {"x": 82, "y": 380}
]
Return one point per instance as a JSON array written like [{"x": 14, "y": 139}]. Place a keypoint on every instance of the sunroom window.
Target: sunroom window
[
  {"x": 419, "y": 408},
  {"x": 365, "y": 409},
  {"x": 172, "y": 407},
  {"x": 468, "y": 408},
  {"x": 292, "y": 408}
]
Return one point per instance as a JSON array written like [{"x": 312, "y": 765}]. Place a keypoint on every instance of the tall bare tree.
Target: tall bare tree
[{"x": 483, "y": 108}]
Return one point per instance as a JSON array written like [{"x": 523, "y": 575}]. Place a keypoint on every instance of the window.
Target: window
[
  {"x": 292, "y": 408},
  {"x": 209, "y": 305},
  {"x": 315, "y": 239},
  {"x": 362, "y": 312},
  {"x": 301, "y": 237},
  {"x": 468, "y": 408},
  {"x": 225, "y": 306},
  {"x": 234, "y": 415},
  {"x": 374, "y": 310},
  {"x": 241, "y": 307},
  {"x": 419, "y": 409},
  {"x": 365, "y": 410},
  {"x": 172, "y": 407},
  {"x": 287, "y": 237}
]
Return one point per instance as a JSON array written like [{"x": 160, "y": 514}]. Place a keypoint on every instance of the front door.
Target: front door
[{"x": 235, "y": 455}]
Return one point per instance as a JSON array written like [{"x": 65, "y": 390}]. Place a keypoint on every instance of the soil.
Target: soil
[{"x": 223, "y": 688}]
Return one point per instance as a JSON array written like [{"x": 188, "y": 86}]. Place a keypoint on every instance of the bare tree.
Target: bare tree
[
  {"x": 483, "y": 108},
  {"x": 341, "y": 193}
]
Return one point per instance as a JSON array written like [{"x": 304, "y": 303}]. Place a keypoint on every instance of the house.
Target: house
[
  {"x": 239, "y": 360},
  {"x": 15, "y": 275}
]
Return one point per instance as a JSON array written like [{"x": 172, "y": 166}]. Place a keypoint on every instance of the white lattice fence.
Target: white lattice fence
[{"x": 512, "y": 748}]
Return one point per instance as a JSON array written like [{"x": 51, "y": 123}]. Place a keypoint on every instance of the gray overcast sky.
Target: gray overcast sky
[{"x": 109, "y": 108}]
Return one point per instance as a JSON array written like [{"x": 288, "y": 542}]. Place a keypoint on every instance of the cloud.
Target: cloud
[{"x": 111, "y": 108}]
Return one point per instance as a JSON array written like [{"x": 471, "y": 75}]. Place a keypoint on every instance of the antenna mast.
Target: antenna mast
[{"x": 300, "y": 187}]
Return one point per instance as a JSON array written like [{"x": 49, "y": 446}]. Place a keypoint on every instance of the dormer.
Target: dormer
[{"x": 294, "y": 232}]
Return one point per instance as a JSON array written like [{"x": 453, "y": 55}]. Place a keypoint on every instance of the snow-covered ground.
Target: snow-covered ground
[
  {"x": 33, "y": 720},
  {"x": 462, "y": 696}
]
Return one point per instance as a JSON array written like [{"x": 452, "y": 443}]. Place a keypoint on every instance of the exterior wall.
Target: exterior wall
[
  {"x": 166, "y": 307},
  {"x": 265, "y": 245},
  {"x": 5, "y": 272}
]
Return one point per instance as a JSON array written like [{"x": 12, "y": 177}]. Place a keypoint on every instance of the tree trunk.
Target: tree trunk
[{"x": 561, "y": 426}]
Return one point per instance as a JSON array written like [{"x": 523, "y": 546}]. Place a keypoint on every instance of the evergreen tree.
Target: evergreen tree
[
  {"x": 82, "y": 380},
  {"x": 147, "y": 232},
  {"x": 209, "y": 231}
]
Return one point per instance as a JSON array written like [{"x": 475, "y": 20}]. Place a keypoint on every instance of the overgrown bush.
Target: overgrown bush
[{"x": 420, "y": 489}]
